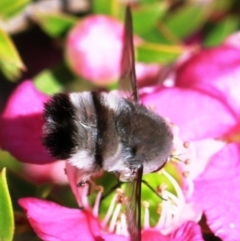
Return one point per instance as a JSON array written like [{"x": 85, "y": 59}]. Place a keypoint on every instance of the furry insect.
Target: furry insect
[{"x": 102, "y": 131}]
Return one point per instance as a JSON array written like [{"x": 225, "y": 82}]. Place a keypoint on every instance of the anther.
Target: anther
[
  {"x": 145, "y": 204},
  {"x": 120, "y": 196},
  {"x": 186, "y": 144},
  {"x": 187, "y": 161},
  {"x": 152, "y": 107},
  {"x": 161, "y": 188},
  {"x": 186, "y": 174}
]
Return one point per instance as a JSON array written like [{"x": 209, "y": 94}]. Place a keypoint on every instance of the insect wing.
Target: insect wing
[
  {"x": 133, "y": 204},
  {"x": 128, "y": 82}
]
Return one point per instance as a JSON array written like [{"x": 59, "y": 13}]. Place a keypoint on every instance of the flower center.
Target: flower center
[{"x": 164, "y": 194}]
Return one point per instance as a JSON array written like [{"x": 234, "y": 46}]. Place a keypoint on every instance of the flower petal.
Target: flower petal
[
  {"x": 195, "y": 113},
  {"x": 216, "y": 190},
  {"x": 147, "y": 74},
  {"x": 201, "y": 153},
  {"x": 75, "y": 175},
  {"x": 53, "y": 222},
  {"x": 214, "y": 69},
  {"x": 46, "y": 173},
  {"x": 21, "y": 124},
  {"x": 189, "y": 231}
]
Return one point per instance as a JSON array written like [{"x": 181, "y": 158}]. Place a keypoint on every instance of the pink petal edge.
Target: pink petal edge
[
  {"x": 190, "y": 231},
  {"x": 216, "y": 190},
  {"x": 21, "y": 124},
  {"x": 53, "y": 222},
  {"x": 192, "y": 111}
]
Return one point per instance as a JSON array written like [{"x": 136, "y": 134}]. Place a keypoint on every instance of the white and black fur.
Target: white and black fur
[
  {"x": 103, "y": 131},
  {"x": 100, "y": 131}
]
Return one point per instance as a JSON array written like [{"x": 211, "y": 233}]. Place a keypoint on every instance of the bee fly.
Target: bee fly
[{"x": 102, "y": 131}]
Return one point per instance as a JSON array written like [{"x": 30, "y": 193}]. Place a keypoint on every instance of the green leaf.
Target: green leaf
[
  {"x": 10, "y": 61},
  {"x": 59, "y": 78},
  {"x": 19, "y": 187},
  {"x": 44, "y": 190},
  {"x": 220, "y": 31},
  {"x": 107, "y": 7},
  {"x": 53, "y": 80},
  {"x": 183, "y": 22},
  {"x": 9, "y": 8},
  {"x": 158, "y": 53},
  {"x": 10, "y": 71},
  {"x": 55, "y": 24},
  {"x": 146, "y": 16},
  {"x": 6, "y": 212}
]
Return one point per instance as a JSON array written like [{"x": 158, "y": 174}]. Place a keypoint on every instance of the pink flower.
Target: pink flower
[
  {"x": 215, "y": 71},
  {"x": 176, "y": 225},
  {"x": 204, "y": 104},
  {"x": 208, "y": 119},
  {"x": 20, "y": 115},
  {"x": 21, "y": 125},
  {"x": 147, "y": 74},
  {"x": 93, "y": 49},
  {"x": 53, "y": 222},
  {"x": 217, "y": 192}
]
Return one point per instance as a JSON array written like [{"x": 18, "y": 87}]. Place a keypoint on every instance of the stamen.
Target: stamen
[
  {"x": 146, "y": 223},
  {"x": 173, "y": 199},
  {"x": 165, "y": 212},
  {"x": 110, "y": 210},
  {"x": 175, "y": 185},
  {"x": 97, "y": 201},
  {"x": 119, "y": 199},
  {"x": 118, "y": 229},
  {"x": 114, "y": 217},
  {"x": 124, "y": 224},
  {"x": 175, "y": 158},
  {"x": 176, "y": 206}
]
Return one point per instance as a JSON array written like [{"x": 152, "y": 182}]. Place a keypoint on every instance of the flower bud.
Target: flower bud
[{"x": 94, "y": 47}]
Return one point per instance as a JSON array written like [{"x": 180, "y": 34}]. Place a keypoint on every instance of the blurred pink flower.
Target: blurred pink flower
[
  {"x": 94, "y": 49},
  {"x": 21, "y": 125},
  {"x": 147, "y": 74}
]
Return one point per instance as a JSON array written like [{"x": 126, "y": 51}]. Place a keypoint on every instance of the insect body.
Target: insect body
[
  {"x": 103, "y": 131},
  {"x": 96, "y": 131}
]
